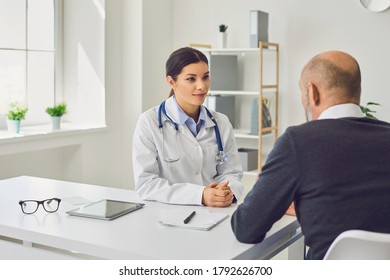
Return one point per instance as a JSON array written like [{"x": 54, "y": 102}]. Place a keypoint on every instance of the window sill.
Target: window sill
[{"x": 45, "y": 132}]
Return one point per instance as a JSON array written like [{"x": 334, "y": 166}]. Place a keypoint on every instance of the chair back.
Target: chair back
[{"x": 360, "y": 245}]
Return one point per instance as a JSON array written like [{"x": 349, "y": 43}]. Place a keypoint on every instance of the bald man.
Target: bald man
[{"x": 335, "y": 168}]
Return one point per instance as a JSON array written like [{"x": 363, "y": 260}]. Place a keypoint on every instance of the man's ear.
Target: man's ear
[
  {"x": 314, "y": 94},
  {"x": 170, "y": 81}
]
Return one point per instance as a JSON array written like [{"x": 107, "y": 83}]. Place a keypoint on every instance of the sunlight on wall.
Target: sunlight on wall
[
  {"x": 84, "y": 61},
  {"x": 100, "y": 7},
  {"x": 90, "y": 90}
]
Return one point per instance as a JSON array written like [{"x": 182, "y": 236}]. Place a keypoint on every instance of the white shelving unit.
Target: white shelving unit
[{"x": 258, "y": 71}]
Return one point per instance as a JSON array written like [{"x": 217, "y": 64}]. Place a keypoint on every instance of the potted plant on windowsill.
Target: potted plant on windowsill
[
  {"x": 56, "y": 112},
  {"x": 15, "y": 115}
]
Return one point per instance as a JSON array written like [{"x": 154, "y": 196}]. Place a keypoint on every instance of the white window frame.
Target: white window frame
[
  {"x": 29, "y": 52},
  {"x": 86, "y": 108}
]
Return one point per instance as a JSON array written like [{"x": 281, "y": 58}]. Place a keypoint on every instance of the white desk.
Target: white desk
[{"x": 137, "y": 235}]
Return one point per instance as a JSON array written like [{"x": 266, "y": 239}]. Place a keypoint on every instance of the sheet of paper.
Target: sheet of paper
[{"x": 203, "y": 219}]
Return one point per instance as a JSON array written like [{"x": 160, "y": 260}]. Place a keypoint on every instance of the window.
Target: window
[
  {"x": 53, "y": 51},
  {"x": 28, "y": 33}
]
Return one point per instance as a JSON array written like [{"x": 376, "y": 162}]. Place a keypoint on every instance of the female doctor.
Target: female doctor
[{"x": 182, "y": 152}]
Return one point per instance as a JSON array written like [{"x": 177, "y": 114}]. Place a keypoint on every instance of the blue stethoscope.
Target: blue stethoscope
[{"x": 221, "y": 156}]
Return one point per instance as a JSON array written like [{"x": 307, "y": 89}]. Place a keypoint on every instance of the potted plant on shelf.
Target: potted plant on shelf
[
  {"x": 15, "y": 115},
  {"x": 222, "y": 36},
  {"x": 223, "y": 28},
  {"x": 56, "y": 112}
]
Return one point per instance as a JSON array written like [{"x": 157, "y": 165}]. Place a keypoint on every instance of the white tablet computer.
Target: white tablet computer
[{"x": 105, "y": 209}]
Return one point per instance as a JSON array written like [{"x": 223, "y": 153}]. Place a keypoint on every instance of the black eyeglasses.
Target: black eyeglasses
[{"x": 50, "y": 205}]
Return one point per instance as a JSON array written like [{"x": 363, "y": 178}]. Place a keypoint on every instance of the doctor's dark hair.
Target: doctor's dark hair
[{"x": 180, "y": 59}]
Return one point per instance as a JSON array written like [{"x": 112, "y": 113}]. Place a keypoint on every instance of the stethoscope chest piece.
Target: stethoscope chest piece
[{"x": 221, "y": 157}]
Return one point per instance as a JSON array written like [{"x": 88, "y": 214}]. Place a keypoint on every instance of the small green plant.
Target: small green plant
[
  {"x": 16, "y": 112},
  {"x": 57, "y": 110},
  {"x": 223, "y": 28},
  {"x": 367, "y": 111}
]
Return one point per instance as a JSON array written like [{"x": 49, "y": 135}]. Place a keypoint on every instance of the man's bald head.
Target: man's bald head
[{"x": 336, "y": 73}]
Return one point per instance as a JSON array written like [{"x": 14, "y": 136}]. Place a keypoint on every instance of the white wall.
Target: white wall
[
  {"x": 157, "y": 46},
  {"x": 147, "y": 41},
  {"x": 83, "y": 60},
  {"x": 303, "y": 28}
]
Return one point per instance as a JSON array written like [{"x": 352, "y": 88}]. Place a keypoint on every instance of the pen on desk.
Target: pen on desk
[{"x": 188, "y": 219}]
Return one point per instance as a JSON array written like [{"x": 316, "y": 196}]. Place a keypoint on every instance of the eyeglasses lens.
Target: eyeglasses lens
[
  {"x": 29, "y": 207},
  {"x": 51, "y": 205}
]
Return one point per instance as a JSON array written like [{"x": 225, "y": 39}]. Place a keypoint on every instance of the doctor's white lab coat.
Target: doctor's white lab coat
[{"x": 173, "y": 166}]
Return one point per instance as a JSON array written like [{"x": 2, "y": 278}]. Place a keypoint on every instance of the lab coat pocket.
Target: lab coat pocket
[{"x": 171, "y": 152}]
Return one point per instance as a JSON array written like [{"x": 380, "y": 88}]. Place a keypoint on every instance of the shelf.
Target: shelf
[
  {"x": 268, "y": 88},
  {"x": 245, "y": 134},
  {"x": 231, "y": 50},
  {"x": 269, "y": 129},
  {"x": 266, "y": 47},
  {"x": 248, "y": 58},
  {"x": 233, "y": 92},
  {"x": 251, "y": 173}
]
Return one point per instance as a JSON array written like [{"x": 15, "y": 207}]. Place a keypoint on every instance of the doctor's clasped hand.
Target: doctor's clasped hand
[
  {"x": 217, "y": 195},
  {"x": 184, "y": 153}
]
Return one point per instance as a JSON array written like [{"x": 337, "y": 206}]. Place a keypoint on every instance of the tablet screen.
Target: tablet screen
[{"x": 106, "y": 209}]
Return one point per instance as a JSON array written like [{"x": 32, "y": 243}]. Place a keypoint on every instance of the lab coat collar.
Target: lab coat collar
[
  {"x": 173, "y": 112},
  {"x": 208, "y": 122}
]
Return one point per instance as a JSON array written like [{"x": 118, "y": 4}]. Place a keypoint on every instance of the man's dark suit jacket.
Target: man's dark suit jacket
[{"x": 337, "y": 171}]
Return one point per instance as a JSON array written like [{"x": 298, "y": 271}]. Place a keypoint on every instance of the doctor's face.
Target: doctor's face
[{"x": 191, "y": 86}]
